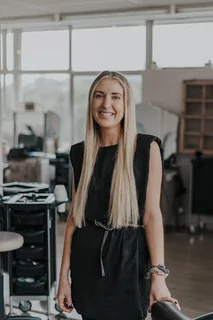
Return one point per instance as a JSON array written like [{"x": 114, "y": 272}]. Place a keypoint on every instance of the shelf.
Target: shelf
[
  {"x": 192, "y": 151},
  {"x": 208, "y": 134},
  {"x": 196, "y": 126},
  {"x": 209, "y": 91},
  {"x": 194, "y": 100},
  {"x": 198, "y": 82},
  {"x": 193, "y": 108},
  {"x": 192, "y": 133},
  {"x": 198, "y": 100},
  {"x": 186, "y": 116},
  {"x": 208, "y": 125},
  {"x": 208, "y": 142},
  {"x": 207, "y": 152},
  {"x": 193, "y": 125},
  {"x": 194, "y": 91},
  {"x": 208, "y": 117},
  {"x": 208, "y": 109},
  {"x": 188, "y": 151},
  {"x": 192, "y": 142}
]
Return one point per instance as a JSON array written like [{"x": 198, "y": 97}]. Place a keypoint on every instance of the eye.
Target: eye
[
  {"x": 115, "y": 97},
  {"x": 98, "y": 96}
]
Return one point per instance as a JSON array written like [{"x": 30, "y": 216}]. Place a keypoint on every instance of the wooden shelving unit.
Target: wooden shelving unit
[{"x": 196, "y": 127}]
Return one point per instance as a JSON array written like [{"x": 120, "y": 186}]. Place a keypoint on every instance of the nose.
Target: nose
[{"x": 107, "y": 103}]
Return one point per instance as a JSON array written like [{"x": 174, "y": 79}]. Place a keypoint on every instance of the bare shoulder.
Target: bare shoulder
[{"x": 155, "y": 151}]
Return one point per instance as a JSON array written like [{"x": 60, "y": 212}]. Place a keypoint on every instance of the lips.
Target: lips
[{"x": 106, "y": 114}]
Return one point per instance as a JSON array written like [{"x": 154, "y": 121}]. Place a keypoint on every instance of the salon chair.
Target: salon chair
[{"x": 166, "y": 310}]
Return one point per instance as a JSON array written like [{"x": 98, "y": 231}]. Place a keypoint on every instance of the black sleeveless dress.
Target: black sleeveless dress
[{"x": 108, "y": 267}]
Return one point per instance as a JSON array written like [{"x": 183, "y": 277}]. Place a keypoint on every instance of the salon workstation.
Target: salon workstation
[{"x": 50, "y": 54}]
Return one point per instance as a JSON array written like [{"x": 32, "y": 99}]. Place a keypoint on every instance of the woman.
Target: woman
[{"x": 114, "y": 234}]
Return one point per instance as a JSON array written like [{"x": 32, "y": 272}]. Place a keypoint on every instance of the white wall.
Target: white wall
[
  {"x": 164, "y": 87},
  {"x": 163, "y": 124}
]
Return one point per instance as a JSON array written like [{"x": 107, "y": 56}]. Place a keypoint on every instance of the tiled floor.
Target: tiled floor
[{"x": 190, "y": 261}]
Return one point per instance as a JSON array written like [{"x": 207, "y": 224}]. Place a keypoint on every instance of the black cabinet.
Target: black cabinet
[{"x": 201, "y": 186}]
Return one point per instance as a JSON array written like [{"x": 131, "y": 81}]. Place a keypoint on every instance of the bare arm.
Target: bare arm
[
  {"x": 64, "y": 290},
  {"x": 152, "y": 216},
  {"x": 65, "y": 263},
  {"x": 153, "y": 224}
]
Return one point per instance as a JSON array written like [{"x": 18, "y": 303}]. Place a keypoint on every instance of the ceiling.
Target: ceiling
[
  {"x": 25, "y": 8},
  {"x": 36, "y": 14}
]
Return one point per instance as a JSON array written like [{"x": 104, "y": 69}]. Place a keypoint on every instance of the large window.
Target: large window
[
  {"x": 50, "y": 92},
  {"x": 1, "y": 52},
  {"x": 81, "y": 85},
  {"x": 9, "y": 93},
  {"x": 7, "y": 108},
  {"x": 1, "y": 88},
  {"x": 45, "y": 50},
  {"x": 10, "y": 50},
  {"x": 117, "y": 48},
  {"x": 135, "y": 81},
  {"x": 183, "y": 45},
  {"x": 45, "y": 70}
]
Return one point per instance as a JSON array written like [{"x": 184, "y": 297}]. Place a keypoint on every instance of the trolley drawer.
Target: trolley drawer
[
  {"x": 28, "y": 219},
  {"x": 30, "y": 253},
  {"x": 32, "y": 236},
  {"x": 29, "y": 270},
  {"x": 35, "y": 288}
]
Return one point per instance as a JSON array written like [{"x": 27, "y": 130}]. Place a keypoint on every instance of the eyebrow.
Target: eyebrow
[{"x": 112, "y": 92}]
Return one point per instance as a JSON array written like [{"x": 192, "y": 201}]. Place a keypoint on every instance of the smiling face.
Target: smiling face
[{"x": 108, "y": 104}]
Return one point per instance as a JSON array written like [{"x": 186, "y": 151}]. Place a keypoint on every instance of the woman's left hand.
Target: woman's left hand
[{"x": 159, "y": 291}]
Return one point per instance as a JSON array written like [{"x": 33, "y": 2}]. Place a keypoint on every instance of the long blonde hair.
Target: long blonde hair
[{"x": 123, "y": 206}]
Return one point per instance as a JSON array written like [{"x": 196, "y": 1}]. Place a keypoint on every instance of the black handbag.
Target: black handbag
[{"x": 166, "y": 310}]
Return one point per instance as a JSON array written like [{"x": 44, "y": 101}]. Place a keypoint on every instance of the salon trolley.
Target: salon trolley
[{"x": 32, "y": 268}]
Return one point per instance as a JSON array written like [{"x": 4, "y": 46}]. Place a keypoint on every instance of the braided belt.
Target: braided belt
[{"x": 106, "y": 232}]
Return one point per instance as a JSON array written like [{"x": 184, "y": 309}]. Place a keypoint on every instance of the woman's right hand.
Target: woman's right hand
[{"x": 64, "y": 296}]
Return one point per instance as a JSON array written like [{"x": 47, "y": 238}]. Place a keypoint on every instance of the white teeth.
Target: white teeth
[{"x": 106, "y": 113}]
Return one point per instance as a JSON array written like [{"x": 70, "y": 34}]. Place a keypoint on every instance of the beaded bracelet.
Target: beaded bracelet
[
  {"x": 160, "y": 270},
  {"x": 160, "y": 267}
]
